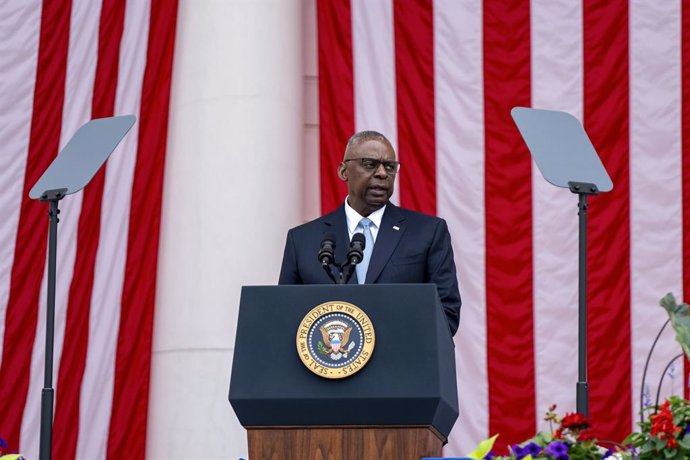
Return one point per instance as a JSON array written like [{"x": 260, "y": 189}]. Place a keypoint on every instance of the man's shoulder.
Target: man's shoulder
[
  {"x": 319, "y": 222},
  {"x": 416, "y": 216}
]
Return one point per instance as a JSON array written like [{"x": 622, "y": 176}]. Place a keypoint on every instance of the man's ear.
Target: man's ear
[{"x": 342, "y": 172}]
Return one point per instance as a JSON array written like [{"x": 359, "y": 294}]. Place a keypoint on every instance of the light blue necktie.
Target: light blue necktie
[{"x": 363, "y": 266}]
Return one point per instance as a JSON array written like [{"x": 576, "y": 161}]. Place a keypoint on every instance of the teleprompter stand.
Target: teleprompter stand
[
  {"x": 72, "y": 169},
  {"x": 566, "y": 158}
]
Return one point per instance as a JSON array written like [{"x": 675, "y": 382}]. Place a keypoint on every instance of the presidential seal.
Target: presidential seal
[{"x": 335, "y": 340}]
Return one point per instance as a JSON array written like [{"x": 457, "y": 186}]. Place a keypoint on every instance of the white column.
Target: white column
[{"x": 233, "y": 186}]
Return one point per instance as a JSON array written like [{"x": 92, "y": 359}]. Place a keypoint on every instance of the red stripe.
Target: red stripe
[
  {"x": 685, "y": 133},
  {"x": 133, "y": 360},
  {"x": 336, "y": 95},
  {"x": 414, "y": 65},
  {"x": 508, "y": 200},
  {"x": 606, "y": 115},
  {"x": 30, "y": 248},
  {"x": 73, "y": 360}
]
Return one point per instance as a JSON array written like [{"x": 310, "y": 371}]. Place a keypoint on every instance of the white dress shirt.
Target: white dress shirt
[{"x": 353, "y": 218}]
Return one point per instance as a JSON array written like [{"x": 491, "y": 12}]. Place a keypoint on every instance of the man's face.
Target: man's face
[{"x": 369, "y": 190}]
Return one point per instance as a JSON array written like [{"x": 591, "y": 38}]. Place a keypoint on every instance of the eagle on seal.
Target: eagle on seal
[{"x": 336, "y": 338}]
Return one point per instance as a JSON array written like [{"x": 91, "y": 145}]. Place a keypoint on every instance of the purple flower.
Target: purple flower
[
  {"x": 490, "y": 455},
  {"x": 556, "y": 449},
  {"x": 608, "y": 453},
  {"x": 562, "y": 457},
  {"x": 532, "y": 448},
  {"x": 518, "y": 451},
  {"x": 3, "y": 444}
]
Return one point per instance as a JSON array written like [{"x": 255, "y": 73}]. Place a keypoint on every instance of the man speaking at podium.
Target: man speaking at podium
[{"x": 400, "y": 245}]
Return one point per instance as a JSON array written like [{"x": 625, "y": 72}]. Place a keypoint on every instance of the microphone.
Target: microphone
[
  {"x": 356, "y": 252},
  {"x": 326, "y": 256}
]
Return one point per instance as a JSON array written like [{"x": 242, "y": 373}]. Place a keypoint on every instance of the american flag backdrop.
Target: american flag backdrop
[
  {"x": 439, "y": 79},
  {"x": 64, "y": 63}
]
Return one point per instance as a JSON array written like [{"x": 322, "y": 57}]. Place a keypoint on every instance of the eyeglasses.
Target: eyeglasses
[{"x": 372, "y": 164}]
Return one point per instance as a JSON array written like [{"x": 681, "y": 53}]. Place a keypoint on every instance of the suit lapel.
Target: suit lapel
[{"x": 386, "y": 241}]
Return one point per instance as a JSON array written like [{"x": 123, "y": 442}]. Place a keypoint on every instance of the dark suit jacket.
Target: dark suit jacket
[{"x": 418, "y": 251}]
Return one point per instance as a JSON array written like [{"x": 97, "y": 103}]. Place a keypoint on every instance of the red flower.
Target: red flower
[
  {"x": 663, "y": 427},
  {"x": 575, "y": 421},
  {"x": 585, "y": 435}
]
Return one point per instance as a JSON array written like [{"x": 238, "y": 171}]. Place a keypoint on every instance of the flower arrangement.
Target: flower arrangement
[
  {"x": 663, "y": 434},
  {"x": 666, "y": 432},
  {"x": 572, "y": 440}
]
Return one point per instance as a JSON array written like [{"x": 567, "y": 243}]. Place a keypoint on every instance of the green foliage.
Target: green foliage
[
  {"x": 660, "y": 438},
  {"x": 572, "y": 440},
  {"x": 663, "y": 435},
  {"x": 680, "y": 320},
  {"x": 483, "y": 448}
]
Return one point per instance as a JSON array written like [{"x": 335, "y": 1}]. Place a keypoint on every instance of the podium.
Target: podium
[{"x": 400, "y": 405}]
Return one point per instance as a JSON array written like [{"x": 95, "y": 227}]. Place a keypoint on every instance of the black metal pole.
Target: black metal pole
[
  {"x": 582, "y": 385},
  {"x": 646, "y": 366},
  {"x": 47, "y": 395}
]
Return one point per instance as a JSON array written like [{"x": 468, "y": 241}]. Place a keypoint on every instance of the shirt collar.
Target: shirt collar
[{"x": 353, "y": 217}]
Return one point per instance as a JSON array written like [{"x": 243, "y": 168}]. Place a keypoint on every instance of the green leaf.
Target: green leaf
[
  {"x": 632, "y": 438},
  {"x": 680, "y": 320},
  {"x": 648, "y": 447},
  {"x": 684, "y": 443},
  {"x": 483, "y": 448},
  {"x": 659, "y": 444},
  {"x": 542, "y": 438}
]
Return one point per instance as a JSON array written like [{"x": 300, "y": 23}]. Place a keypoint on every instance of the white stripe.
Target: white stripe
[
  {"x": 556, "y": 85},
  {"x": 373, "y": 62},
  {"x": 80, "y": 70},
  {"x": 18, "y": 59},
  {"x": 655, "y": 186},
  {"x": 459, "y": 100},
  {"x": 97, "y": 388}
]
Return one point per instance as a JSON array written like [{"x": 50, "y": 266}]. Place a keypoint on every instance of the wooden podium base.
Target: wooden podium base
[{"x": 344, "y": 443}]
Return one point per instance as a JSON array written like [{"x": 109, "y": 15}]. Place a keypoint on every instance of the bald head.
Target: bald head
[{"x": 359, "y": 138}]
